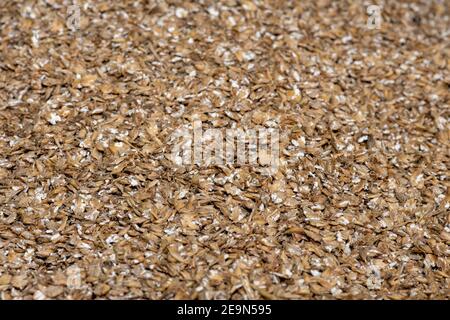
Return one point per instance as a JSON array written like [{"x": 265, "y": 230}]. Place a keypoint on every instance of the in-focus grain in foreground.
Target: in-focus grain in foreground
[{"x": 92, "y": 206}]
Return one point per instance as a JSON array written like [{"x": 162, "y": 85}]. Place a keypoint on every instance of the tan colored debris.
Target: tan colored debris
[{"x": 93, "y": 204}]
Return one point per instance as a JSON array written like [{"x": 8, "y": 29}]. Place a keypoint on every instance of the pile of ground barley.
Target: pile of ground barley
[{"x": 93, "y": 205}]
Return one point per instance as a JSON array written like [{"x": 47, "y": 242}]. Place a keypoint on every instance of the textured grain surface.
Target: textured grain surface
[{"x": 91, "y": 206}]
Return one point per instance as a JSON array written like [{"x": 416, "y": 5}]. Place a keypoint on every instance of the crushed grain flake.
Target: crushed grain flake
[{"x": 97, "y": 203}]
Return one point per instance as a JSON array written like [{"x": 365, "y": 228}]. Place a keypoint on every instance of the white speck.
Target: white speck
[
  {"x": 40, "y": 194},
  {"x": 296, "y": 92},
  {"x": 318, "y": 206},
  {"x": 170, "y": 231},
  {"x": 85, "y": 245},
  {"x": 178, "y": 160},
  {"x": 363, "y": 138},
  {"x": 315, "y": 273},
  {"x": 300, "y": 154},
  {"x": 248, "y": 55},
  {"x": 347, "y": 250},
  {"x": 434, "y": 97},
  {"x": 335, "y": 291},
  {"x": 441, "y": 122},
  {"x": 213, "y": 11},
  {"x": 346, "y": 39},
  {"x": 92, "y": 215},
  {"x": 350, "y": 148},
  {"x": 234, "y": 83},
  {"x": 113, "y": 130},
  {"x": 55, "y": 237},
  {"x": 182, "y": 194},
  {"x": 181, "y": 13},
  {"x": 288, "y": 273},
  {"x": 356, "y": 179},
  {"x": 133, "y": 181},
  {"x": 344, "y": 203},
  {"x": 243, "y": 92},
  {"x": 54, "y": 118},
  {"x": 341, "y": 98},
  {"x": 38, "y": 295},
  {"x": 375, "y": 271},
  {"x": 232, "y": 21},
  {"x": 276, "y": 199},
  {"x": 112, "y": 238},
  {"x": 35, "y": 38},
  {"x": 419, "y": 178}
]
